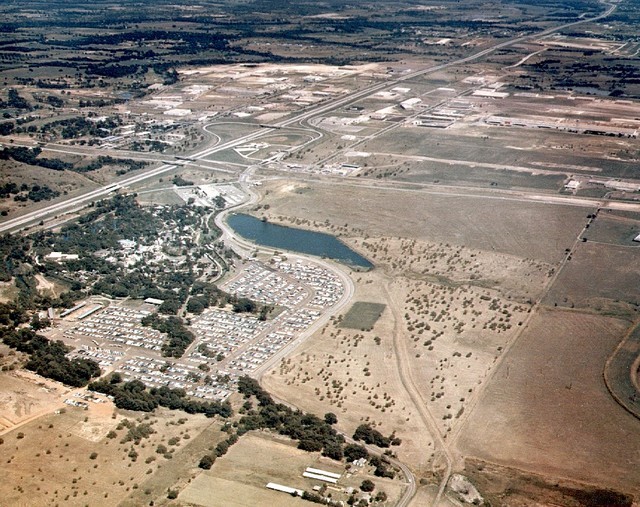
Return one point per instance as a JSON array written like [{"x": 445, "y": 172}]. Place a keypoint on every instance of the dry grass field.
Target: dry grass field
[
  {"x": 72, "y": 456},
  {"x": 491, "y": 222},
  {"x": 548, "y": 411},
  {"x": 354, "y": 374},
  {"x": 614, "y": 229},
  {"x": 453, "y": 310},
  {"x": 600, "y": 276},
  {"x": 238, "y": 479}
]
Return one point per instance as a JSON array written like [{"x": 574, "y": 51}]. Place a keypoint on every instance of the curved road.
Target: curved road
[{"x": 75, "y": 203}]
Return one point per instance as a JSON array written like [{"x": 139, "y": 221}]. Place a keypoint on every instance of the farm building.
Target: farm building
[{"x": 284, "y": 489}]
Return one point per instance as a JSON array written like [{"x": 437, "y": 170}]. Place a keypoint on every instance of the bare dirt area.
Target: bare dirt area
[
  {"x": 509, "y": 486},
  {"x": 239, "y": 478},
  {"x": 24, "y": 396},
  {"x": 547, "y": 409},
  {"x": 492, "y": 222}
]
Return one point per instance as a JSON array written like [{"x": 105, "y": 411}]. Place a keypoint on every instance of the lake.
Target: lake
[{"x": 295, "y": 240}]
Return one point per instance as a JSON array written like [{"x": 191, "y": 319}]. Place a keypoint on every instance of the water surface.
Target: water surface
[{"x": 296, "y": 240}]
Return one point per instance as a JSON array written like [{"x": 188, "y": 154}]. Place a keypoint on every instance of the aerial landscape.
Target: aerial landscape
[{"x": 267, "y": 254}]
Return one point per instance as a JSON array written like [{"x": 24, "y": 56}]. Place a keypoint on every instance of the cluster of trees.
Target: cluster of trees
[
  {"x": 134, "y": 395},
  {"x": 14, "y": 100},
  {"x": 71, "y": 128},
  {"x": 220, "y": 450},
  {"x": 110, "y": 221},
  {"x": 101, "y": 161},
  {"x": 99, "y": 102},
  {"x": 311, "y": 432},
  {"x": 373, "y": 437},
  {"x": 14, "y": 256},
  {"x": 179, "y": 337},
  {"x": 382, "y": 468},
  {"x": 48, "y": 358},
  {"x": 114, "y": 71},
  {"x": 35, "y": 193},
  {"x": 179, "y": 181},
  {"x": 11, "y": 316},
  {"x": 30, "y": 156},
  {"x": 17, "y": 264},
  {"x": 54, "y": 101},
  {"x": 10, "y": 188},
  {"x": 204, "y": 295},
  {"x": 51, "y": 84},
  {"x": 184, "y": 42},
  {"x": 6, "y": 128}
]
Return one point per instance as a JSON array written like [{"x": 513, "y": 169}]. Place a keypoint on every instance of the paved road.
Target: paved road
[
  {"x": 79, "y": 201},
  {"x": 74, "y": 203}
]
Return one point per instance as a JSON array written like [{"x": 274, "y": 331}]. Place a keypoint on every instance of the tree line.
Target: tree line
[
  {"x": 134, "y": 395},
  {"x": 49, "y": 358}
]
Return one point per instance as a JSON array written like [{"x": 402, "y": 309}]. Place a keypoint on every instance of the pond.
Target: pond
[{"x": 295, "y": 240}]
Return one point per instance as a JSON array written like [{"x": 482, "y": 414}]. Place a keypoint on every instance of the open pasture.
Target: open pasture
[
  {"x": 598, "y": 276},
  {"x": 532, "y": 230},
  {"x": 547, "y": 410}
]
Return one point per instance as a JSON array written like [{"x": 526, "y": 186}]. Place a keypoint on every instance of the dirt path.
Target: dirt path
[{"x": 404, "y": 371}]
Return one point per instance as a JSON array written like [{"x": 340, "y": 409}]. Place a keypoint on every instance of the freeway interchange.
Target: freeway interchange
[{"x": 300, "y": 119}]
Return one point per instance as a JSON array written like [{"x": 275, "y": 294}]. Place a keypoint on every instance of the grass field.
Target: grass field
[
  {"x": 599, "y": 276},
  {"x": 491, "y": 222},
  {"x": 613, "y": 229},
  {"x": 547, "y": 409},
  {"x": 238, "y": 479},
  {"x": 362, "y": 315},
  {"x": 462, "y": 175}
]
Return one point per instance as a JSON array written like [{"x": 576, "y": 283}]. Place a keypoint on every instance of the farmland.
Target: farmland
[
  {"x": 548, "y": 403},
  {"x": 240, "y": 477},
  {"x": 484, "y": 158}
]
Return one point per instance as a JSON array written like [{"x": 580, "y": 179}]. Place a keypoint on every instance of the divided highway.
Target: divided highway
[{"x": 77, "y": 202}]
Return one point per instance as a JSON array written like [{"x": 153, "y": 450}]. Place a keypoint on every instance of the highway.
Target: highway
[{"x": 77, "y": 202}]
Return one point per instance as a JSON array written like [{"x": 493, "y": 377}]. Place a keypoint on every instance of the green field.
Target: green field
[{"x": 362, "y": 315}]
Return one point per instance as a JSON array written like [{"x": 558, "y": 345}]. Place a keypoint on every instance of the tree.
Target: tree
[
  {"x": 367, "y": 486},
  {"x": 330, "y": 418},
  {"x": 354, "y": 452},
  {"x": 381, "y": 496},
  {"x": 310, "y": 444},
  {"x": 206, "y": 461},
  {"x": 370, "y": 436},
  {"x": 333, "y": 450}
]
